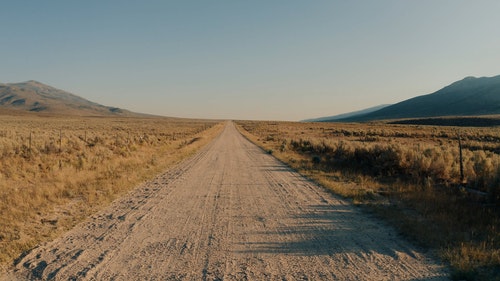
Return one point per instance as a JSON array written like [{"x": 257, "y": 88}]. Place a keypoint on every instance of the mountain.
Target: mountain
[
  {"x": 468, "y": 97},
  {"x": 33, "y": 96},
  {"x": 347, "y": 115}
]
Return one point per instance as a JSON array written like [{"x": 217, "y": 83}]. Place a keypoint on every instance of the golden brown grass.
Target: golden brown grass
[
  {"x": 55, "y": 171},
  {"x": 410, "y": 176}
]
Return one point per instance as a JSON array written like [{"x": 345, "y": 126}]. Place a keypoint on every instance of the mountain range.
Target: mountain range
[
  {"x": 33, "y": 96},
  {"x": 470, "y": 96}
]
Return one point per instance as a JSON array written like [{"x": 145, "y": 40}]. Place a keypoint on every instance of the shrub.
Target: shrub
[{"x": 316, "y": 159}]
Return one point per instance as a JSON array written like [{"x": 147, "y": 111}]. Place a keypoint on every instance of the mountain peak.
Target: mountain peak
[
  {"x": 33, "y": 82},
  {"x": 33, "y": 96},
  {"x": 469, "y": 83},
  {"x": 468, "y": 78},
  {"x": 29, "y": 82},
  {"x": 470, "y": 96}
]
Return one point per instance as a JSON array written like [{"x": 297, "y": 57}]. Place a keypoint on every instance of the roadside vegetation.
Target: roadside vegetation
[
  {"x": 409, "y": 175},
  {"x": 56, "y": 171}
]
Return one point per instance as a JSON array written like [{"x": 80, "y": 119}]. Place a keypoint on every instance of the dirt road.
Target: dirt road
[{"x": 231, "y": 212}]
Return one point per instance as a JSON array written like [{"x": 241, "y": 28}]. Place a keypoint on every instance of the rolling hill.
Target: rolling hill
[
  {"x": 347, "y": 115},
  {"x": 468, "y": 97},
  {"x": 33, "y": 96}
]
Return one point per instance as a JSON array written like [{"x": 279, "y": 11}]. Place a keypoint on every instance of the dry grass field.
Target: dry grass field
[
  {"x": 55, "y": 171},
  {"x": 408, "y": 175}
]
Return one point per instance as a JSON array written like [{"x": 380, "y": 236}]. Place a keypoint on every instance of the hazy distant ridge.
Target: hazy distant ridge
[
  {"x": 347, "y": 115},
  {"x": 468, "y": 97},
  {"x": 33, "y": 96}
]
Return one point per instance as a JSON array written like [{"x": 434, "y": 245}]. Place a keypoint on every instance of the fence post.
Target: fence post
[{"x": 462, "y": 177}]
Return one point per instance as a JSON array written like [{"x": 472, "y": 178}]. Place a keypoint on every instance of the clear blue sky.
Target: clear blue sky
[{"x": 239, "y": 59}]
